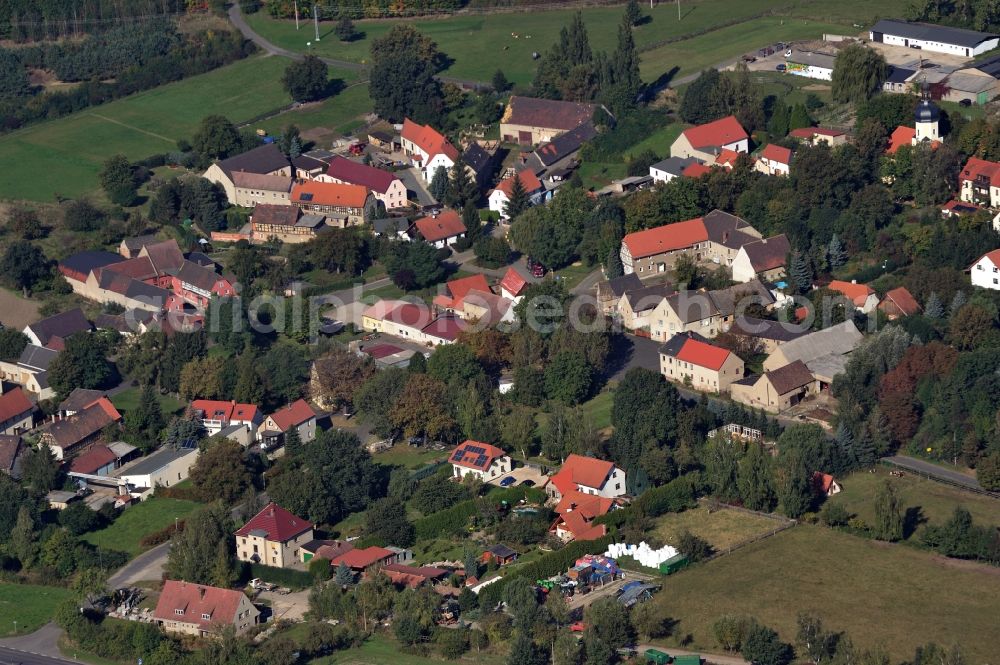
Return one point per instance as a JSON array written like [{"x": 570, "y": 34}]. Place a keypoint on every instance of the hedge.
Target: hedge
[
  {"x": 676, "y": 496},
  {"x": 294, "y": 579},
  {"x": 550, "y": 564},
  {"x": 452, "y": 521}
]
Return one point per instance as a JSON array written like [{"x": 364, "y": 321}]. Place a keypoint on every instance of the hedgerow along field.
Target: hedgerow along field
[
  {"x": 893, "y": 595},
  {"x": 62, "y": 157},
  {"x": 479, "y": 44}
]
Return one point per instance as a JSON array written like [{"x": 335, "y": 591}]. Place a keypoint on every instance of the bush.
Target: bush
[
  {"x": 163, "y": 535},
  {"x": 454, "y": 520},
  {"x": 293, "y": 579},
  {"x": 320, "y": 569},
  {"x": 492, "y": 252},
  {"x": 610, "y": 145}
]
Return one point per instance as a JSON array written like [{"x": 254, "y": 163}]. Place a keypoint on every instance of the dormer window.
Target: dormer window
[
  {"x": 206, "y": 616},
  {"x": 179, "y": 612}
]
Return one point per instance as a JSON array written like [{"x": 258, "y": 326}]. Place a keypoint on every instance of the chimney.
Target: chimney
[
  {"x": 201, "y": 591},
  {"x": 854, "y": 281},
  {"x": 725, "y": 236}
]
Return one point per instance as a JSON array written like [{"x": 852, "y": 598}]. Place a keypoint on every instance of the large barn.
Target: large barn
[{"x": 930, "y": 37}]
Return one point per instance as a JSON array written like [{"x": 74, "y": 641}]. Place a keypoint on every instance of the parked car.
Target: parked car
[
  {"x": 965, "y": 102},
  {"x": 508, "y": 481},
  {"x": 780, "y": 67},
  {"x": 780, "y": 46},
  {"x": 749, "y": 58},
  {"x": 788, "y": 53}
]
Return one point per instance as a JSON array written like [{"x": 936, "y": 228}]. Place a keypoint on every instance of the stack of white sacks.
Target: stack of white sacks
[{"x": 642, "y": 553}]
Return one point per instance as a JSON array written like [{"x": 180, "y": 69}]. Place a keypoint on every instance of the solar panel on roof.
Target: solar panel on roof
[
  {"x": 480, "y": 460},
  {"x": 457, "y": 455},
  {"x": 307, "y": 196}
]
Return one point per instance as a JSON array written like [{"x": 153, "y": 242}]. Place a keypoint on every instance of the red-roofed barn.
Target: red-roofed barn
[{"x": 273, "y": 537}]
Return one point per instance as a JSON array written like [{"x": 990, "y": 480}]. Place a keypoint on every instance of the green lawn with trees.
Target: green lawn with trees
[
  {"x": 883, "y": 594},
  {"x": 29, "y": 606},
  {"x": 152, "y": 515}
]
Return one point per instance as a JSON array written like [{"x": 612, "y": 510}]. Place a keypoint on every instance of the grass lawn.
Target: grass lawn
[
  {"x": 128, "y": 399},
  {"x": 137, "y": 521},
  {"x": 382, "y": 649},
  {"x": 149, "y": 122},
  {"x": 722, "y": 528},
  {"x": 596, "y": 174},
  {"x": 878, "y": 594},
  {"x": 332, "y": 117},
  {"x": 31, "y": 606},
  {"x": 659, "y": 141},
  {"x": 481, "y": 44},
  {"x": 935, "y": 501},
  {"x": 574, "y": 274},
  {"x": 599, "y": 408},
  {"x": 411, "y": 457}
]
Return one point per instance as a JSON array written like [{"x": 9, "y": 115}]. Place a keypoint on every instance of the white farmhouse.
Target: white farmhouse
[
  {"x": 485, "y": 462},
  {"x": 985, "y": 271},
  {"x": 427, "y": 148}
]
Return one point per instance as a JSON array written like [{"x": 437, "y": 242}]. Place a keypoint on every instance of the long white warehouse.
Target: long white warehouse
[{"x": 930, "y": 37}]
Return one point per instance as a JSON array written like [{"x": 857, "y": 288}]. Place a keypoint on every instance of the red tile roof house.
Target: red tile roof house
[
  {"x": 513, "y": 285},
  {"x": 898, "y": 303},
  {"x": 576, "y": 512},
  {"x": 427, "y": 148},
  {"x": 276, "y": 426},
  {"x": 457, "y": 290},
  {"x": 705, "y": 142},
  {"x": 70, "y": 436},
  {"x": 412, "y": 577},
  {"x": 500, "y": 195},
  {"x": 342, "y": 205},
  {"x": 825, "y": 484},
  {"x": 716, "y": 237},
  {"x": 471, "y": 299},
  {"x": 217, "y": 415},
  {"x": 439, "y": 230},
  {"x": 384, "y": 186},
  {"x": 586, "y": 475},
  {"x": 862, "y": 296},
  {"x": 367, "y": 561},
  {"x": 816, "y": 135},
  {"x": 273, "y": 537},
  {"x": 691, "y": 360},
  {"x": 979, "y": 182},
  {"x": 530, "y": 121},
  {"x": 16, "y": 412},
  {"x": 480, "y": 460},
  {"x": 774, "y": 160},
  {"x": 203, "y": 611},
  {"x": 99, "y": 460}
]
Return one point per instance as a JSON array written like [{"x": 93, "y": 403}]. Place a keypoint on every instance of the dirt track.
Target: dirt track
[{"x": 15, "y": 311}]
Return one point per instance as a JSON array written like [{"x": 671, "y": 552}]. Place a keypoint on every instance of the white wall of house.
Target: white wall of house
[
  {"x": 938, "y": 47},
  {"x": 499, "y": 467},
  {"x": 986, "y": 274},
  {"x": 272, "y": 552},
  {"x": 613, "y": 487}
]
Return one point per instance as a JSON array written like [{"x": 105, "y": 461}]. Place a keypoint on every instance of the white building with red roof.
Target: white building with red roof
[
  {"x": 427, "y": 148},
  {"x": 513, "y": 285},
  {"x": 576, "y": 512},
  {"x": 587, "y": 475},
  {"x": 440, "y": 229},
  {"x": 217, "y": 415},
  {"x": 16, "y": 412},
  {"x": 201, "y": 610},
  {"x": 816, "y": 135},
  {"x": 480, "y": 460},
  {"x": 979, "y": 182},
  {"x": 691, "y": 360},
  {"x": 706, "y": 142},
  {"x": 297, "y": 415},
  {"x": 500, "y": 195},
  {"x": 774, "y": 160},
  {"x": 985, "y": 272},
  {"x": 273, "y": 537},
  {"x": 384, "y": 186}
]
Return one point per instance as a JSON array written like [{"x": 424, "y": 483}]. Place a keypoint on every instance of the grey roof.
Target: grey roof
[
  {"x": 565, "y": 144},
  {"x": 391, "y": 225},
  {"x": 790, "y": 377},
  {"x": 931, "y": 32},
  {"x": 766, "y": 329},
  {"x": 899, "y": 74},
  {"x": 692, "y": 306},
  {"x": 311, "y": 221},
  {"x": 138, "y": 242},
  {"x": 309, "y": 163},
  {"x": 619, "y": 285},
  {"x": 476, "y": 157},
  {"x": 828, "y": 366},
  {"x": 728, "y": 299},
  {"x": 263, "y": 159},
  {"x": 502, "y": 551},
  {"x": 121, "y": 449},
  {"x": 989, "y": 65},
  {"x": 37, "y": 357},
  {"x": 80, "y": 399},
  {"x": 675, "y": 165},
  {"x": 673, "y": 345},
  {"x": 154, "y": 461},
  {"x": 768, "y": 253},
  {"x": 84, "y": 262},
  {"x": 970, "y": 82},
  {"x": 813, "y": 59},
  {"x": 647, "y": 298},
  {"x": 321, "y": 155},
  {"x": 63, "y": 325},
  {"x": 835, "y": 340},
  {"x": 728, "y": 230}
]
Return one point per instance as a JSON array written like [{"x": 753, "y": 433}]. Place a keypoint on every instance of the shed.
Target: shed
[{"x": 499, "y": 554}]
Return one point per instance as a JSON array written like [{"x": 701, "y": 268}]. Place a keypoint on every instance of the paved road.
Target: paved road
[
  {"x": 37, "y": 648},
  {"x": 147, "y": 566},
  {"x": 934, "y": 471},
  {"x": 236, "y": 16}
]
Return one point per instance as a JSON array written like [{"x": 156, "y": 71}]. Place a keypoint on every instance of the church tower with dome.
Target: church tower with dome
[{"x": 927, "y": 117}]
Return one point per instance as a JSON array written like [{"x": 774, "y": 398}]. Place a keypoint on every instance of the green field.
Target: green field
[
  {"x": 410, "y": 457},
  {"x": 30, "y": 606},
  {"x": 333, "y": 117},
  {"x": 722, "y": 528},
  {"x": 659, "y": 141},
  {"x": 877, "y": 593},
  {"x": 380, "y": 649},
  {"x": 128, "y": 399},
  {"x": 139, "y": 520},
  {"x": 936, "y": 502}
]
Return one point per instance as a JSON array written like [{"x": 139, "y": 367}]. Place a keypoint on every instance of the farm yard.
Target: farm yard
[{"x": 877, "y": 593}]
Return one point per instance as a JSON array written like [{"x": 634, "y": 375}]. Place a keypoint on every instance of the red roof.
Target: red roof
[
  {"x": 196, "y": 601},
  {"x": 445, "y": 327},
  {"x": 776, "y": 153},
  {"x": 809, "y": 132},
  {"x": 94, "y": 459},
  {"x": 225, "y": 411},
  {"x": 993, "y": 256},
  {"x": 275, "y": 523},
  {"x": 528, "y": 178},
  {"x": 717, "y": 133},
  {"x": 856, "y": 293},
  {"x": 361, "y": 559},
  {"x": 313, "y": 192},
  {"x": 900, "y": 136},
  {"x": 105, "y": 405},
  {"x": 382, "y": 350},
  {"x": 695, "y": 170},
  {"x": 413, "y": 576},
  {"x": 13, "y": 404},
  {"x": 475, "y": 455},
  {"x": 459, "y": 288},
  {"x": 976, "y": 168},
  {"x": 822, "y": 481},
  {"x": 666, "y": 238},
  {"x": 429, "y": 140},
  {"x": 727, "y": 157},
  {"x": 446, "y": 225},
  {"x": 904, "y": 300},
  {"x": 703, "y": 354},
  {"x": 356, "y": 173},
  {"x": 513, "y": 283},
  {"x": 409, "y": 314},
  {"x": 293, "y": 415},
  {"x": 580, "y": 470}
]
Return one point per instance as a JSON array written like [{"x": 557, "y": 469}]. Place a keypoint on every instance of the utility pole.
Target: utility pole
[
  {"x": 316, "y": 20},
  {"x": 678, "y": 10},
  {"x": 296, "y": 15}
]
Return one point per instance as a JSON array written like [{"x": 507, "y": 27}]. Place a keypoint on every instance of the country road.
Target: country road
[{"x": 935, "y": 472}]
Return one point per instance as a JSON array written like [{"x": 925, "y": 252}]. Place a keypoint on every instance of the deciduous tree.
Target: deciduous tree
[
  {"x": 24, "y": 266},
  {"x": 858, "y": 73}
]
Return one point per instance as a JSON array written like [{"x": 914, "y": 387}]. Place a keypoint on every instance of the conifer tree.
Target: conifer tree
[
  {"x": 756, "y": 480},
  {"x": 801, "y": 272},
  {"x": 836, "y": 253},
  {"x": 933, "y": 309},
  {"x": 632, "y": 13},
  {"x": 888, "y": 518},
  {"x": 518, "y": 200},
  {"x": 957, "y": 302},
  {"x": 439, "y": 184},
  {"x": 344, "y": 576},
  {"x": 613, "y": 266}
]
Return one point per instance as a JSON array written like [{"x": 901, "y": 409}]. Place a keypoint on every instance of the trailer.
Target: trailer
[
  {"x": 690, "y": 659},
  {"x": 673, "y": 564},
  {"x": 657, "y": 656}
]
